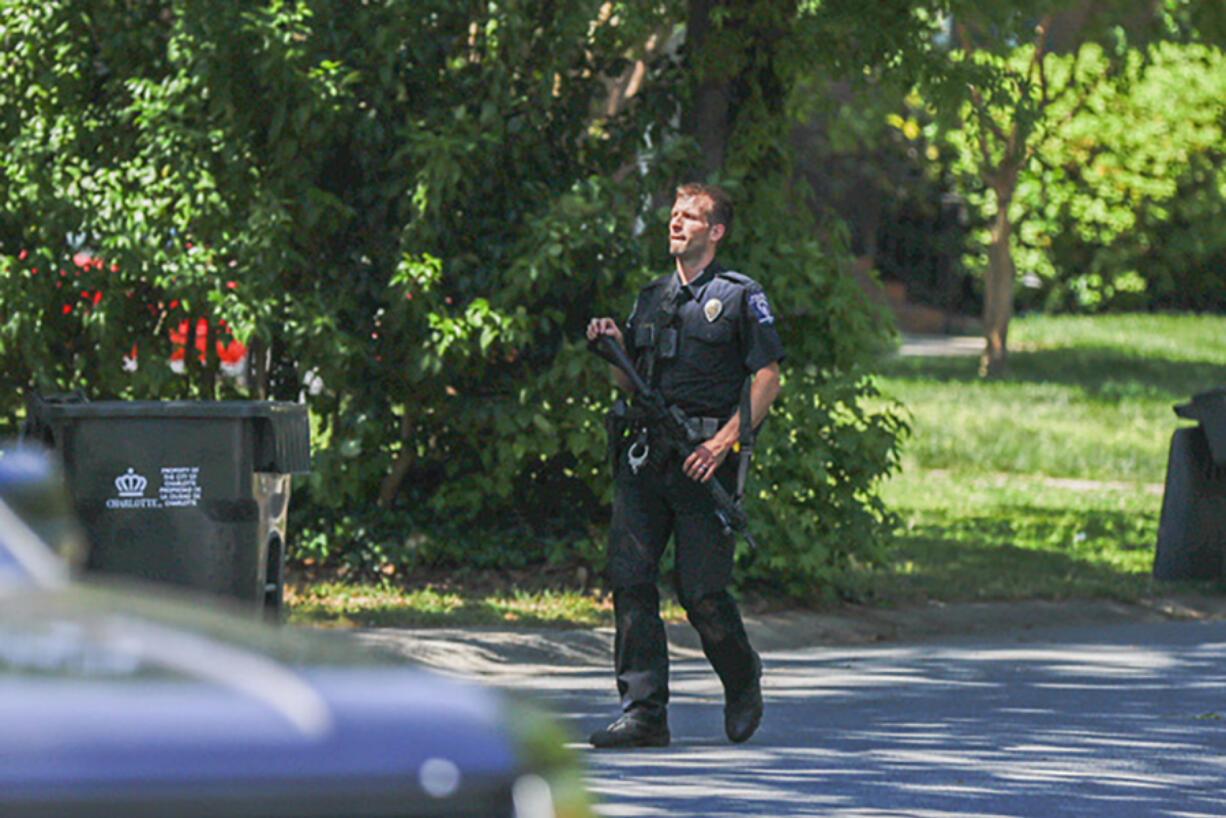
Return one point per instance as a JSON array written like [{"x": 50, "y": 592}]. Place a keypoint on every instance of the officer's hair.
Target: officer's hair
[{"x": 721, "y": 203}]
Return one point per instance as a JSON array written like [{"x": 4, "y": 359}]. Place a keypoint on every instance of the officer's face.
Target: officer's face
[{"x": 689, "y": 234}]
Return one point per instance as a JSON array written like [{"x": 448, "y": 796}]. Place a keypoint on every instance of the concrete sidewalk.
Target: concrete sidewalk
[
  {"x": 917, "y": 345},
  {"x": 489, "y": 652}
]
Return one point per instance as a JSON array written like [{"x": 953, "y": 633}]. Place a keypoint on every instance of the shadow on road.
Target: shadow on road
[{"x": 1114, "y": 721}]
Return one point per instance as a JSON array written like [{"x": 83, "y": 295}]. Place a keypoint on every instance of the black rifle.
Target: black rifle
[{"x": 670, "y": 421}]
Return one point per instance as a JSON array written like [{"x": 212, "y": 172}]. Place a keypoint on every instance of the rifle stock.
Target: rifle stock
[{"x": 676, "y": 434}]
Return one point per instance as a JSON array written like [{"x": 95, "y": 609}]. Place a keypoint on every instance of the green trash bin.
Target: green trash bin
[{"x": 191, "y": 493}]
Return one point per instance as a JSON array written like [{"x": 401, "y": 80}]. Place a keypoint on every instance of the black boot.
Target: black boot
[
  {"x": 719, "y": 625},
  {"x": 743, "y": 710},
  {"x": 633, "y": 729}
]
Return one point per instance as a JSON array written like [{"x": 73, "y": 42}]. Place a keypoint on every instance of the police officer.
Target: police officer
[{"x": 704, "y": 338}]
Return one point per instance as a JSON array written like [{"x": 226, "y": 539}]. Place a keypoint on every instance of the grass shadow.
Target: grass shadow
[
  {"x": 1099, "y": 371},
  {"x": 1020, "y": 551}
]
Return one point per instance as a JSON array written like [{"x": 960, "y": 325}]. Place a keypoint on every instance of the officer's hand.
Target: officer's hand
[
  {"x": 703, "y": 462},
  {"x": 604, "y": 326}
]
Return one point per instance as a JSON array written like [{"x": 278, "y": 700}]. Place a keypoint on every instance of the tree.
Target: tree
[
  {"x": 1123, "y": 205},
  {"x": 407, "y": 211},
  {"x": 1006, "y": 57}
]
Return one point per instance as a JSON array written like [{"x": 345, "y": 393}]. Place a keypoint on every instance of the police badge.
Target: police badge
[{"x": 712, "y": 309}]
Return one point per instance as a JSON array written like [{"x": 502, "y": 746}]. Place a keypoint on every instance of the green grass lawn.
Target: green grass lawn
[
  {"x": 1046, "y": 483},
  {"x": 339, "y": 604},
  {"x": 369, "y": 605}
]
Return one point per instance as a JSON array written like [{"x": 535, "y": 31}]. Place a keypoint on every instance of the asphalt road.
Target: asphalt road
[{"x": 1107, "y": 720}]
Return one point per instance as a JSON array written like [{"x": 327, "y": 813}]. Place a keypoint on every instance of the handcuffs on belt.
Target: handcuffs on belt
[
  {"x": 640, "y": 449},
  {"x": 637, "y": 454}
]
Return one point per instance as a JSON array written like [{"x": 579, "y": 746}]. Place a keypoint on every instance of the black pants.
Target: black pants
[{"x": 648, "y": 508}]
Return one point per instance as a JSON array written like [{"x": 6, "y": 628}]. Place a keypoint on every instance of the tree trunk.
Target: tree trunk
[
  {"x": 392, "y": 481},
  {"x": 998, "y": 286},
  {"x": 257, "y": 369},
  {"x": 191, "y": 363},
  {"x": 708, "y": 118},
  {"x": 212, "y": 363}
]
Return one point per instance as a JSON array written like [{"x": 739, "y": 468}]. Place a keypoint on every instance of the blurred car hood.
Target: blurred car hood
[{"x": 109, "y": 697}]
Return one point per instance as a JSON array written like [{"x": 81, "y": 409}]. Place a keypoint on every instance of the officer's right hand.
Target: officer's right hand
[{"x": 604, "y": 326}]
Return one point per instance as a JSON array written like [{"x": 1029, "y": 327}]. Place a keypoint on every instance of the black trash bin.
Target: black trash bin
[
  {"x": 1192, "y": 528},
  {"x": 191, "y": 493}
]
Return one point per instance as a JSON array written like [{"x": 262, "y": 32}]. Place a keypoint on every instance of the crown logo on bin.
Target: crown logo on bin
[{"x": 130, "y": 484}]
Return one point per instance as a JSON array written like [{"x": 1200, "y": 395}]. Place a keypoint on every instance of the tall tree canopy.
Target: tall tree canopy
[{"x": 406, "y": 211}]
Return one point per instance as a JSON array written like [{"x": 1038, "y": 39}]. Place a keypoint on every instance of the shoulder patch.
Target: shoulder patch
[{"x": 761, "y": 307}]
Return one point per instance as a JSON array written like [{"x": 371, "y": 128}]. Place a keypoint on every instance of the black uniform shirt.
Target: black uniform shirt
[{"x": 725, "y": 332}]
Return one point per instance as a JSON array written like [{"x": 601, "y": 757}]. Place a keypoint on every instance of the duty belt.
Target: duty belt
[{"x": 698, "y": 429}]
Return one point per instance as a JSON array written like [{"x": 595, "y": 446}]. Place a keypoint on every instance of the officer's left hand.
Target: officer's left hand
[{"x": 703, "y": 462}]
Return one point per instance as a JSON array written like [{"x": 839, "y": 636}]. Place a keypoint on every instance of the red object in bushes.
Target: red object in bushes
[{"x": 228, "y": 353}]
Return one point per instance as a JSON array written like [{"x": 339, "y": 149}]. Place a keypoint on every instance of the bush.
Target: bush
[{"x": 407, "y": 214}]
